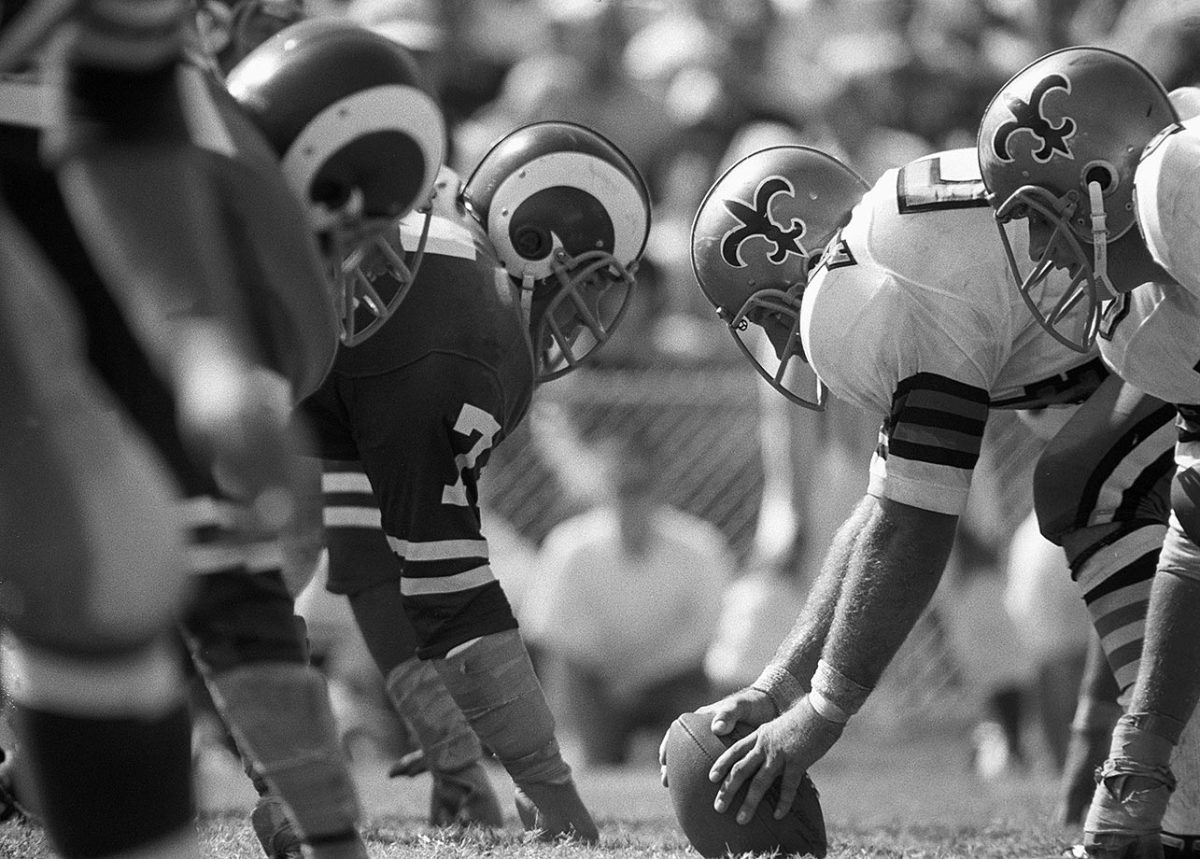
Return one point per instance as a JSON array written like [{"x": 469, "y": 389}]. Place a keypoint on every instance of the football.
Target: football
[{"x": 692, "y": 748}]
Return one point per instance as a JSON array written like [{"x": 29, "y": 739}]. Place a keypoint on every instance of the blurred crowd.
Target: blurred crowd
[{"x": 685, "y": 87}]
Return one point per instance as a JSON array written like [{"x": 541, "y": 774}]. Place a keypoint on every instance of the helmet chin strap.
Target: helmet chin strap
[
  {"x": 1100, "y": 239},
  {"x": 526, "y": 290}
]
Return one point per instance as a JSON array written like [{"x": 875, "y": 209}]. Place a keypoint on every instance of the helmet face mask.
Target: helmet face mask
[
  {"x": 759, "y": 230},
  {"x": 1061, "y": 142},
  {"x": 1055, "y": 311},
  {"x": 576, "y": 309},
  {"x": 569, "y": 216},
  {"x": 767, "y": 331},
  {"x": 371, "y": 274},
  {"x": 360, "y": 141}
]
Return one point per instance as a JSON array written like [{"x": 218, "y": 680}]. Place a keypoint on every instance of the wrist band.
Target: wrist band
[
  {"x": 843, "y": 695},
  {"x": 780, "y": 685},
  {"x": 826, "y": 709}
]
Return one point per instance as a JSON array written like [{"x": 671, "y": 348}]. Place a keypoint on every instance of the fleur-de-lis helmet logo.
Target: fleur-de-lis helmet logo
[
  {"x": 755, "y": 220},
  {"x": 1028, "y": 116}
]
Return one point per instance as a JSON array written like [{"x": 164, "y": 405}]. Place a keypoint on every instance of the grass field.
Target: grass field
[{"x": 887, "y": 791}]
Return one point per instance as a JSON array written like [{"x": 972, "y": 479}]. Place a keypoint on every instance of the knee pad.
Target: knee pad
[{"x": 241, "y": 618}]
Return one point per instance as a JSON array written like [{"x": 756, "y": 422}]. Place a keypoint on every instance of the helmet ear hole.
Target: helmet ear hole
[
  {"x": 330, "y": 193},
  {"x": 1103, "y": 173},
  {"x": 532, "y": 242}
]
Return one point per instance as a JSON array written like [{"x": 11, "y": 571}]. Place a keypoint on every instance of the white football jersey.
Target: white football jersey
[
  {"x": 1167, "y": 195},
  {"x": 1151, "y": 338},
  {"x": 912, "y": 313}
]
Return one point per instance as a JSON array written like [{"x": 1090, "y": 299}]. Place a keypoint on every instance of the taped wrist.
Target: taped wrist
[
  {"x": 835, "y": 696},
  {"x": 1145, "y": 736},
  {"x": 1134, "y": 785},
  {"x": 418, "y": 693},
  {"x": 780, "y": 685},
  {"x": 494, "y": 685}
]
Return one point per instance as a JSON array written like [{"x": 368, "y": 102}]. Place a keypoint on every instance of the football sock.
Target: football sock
[
  {"x": 418, "y": 693},
  {"x": 280, "y": 715},
  {"x": 493, "y": 681},
  {"x": 107, "y": 743}
]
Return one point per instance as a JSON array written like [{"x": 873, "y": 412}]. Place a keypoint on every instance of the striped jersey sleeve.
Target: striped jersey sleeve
[
  {"x": 129, "y": 35},
  {"x": 929, "y": 443}
]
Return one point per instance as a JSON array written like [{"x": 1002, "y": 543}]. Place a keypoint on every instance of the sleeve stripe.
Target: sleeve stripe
[
  {"x": 930, "y": 383},
  {"x": 951, "y": 439},
  {"x": 345, "y": 516},
  {"x": 345, "y": 481},
  {"x": 438, "y": 550},
  {"x": 937, "y": 420},
  {"x": 933, "y": 455},
  {"x": 130, "y": 34},
  {"x": 465, "y": 581}
]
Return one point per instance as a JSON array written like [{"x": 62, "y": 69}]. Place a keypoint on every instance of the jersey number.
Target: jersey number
[
  {"x": 925, "y": 186},
  {"x": 472, "y": 420}
]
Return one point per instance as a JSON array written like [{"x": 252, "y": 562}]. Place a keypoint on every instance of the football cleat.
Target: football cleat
[{"x": 464, "y": 798}]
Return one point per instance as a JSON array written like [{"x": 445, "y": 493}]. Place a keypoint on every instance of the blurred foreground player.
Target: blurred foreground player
[
  {"x": 527, "y": 269},
  {"x": 269, "y": 314},
  {"x": 1115, "y": 204},
  {"x": 95, "y": 561}
]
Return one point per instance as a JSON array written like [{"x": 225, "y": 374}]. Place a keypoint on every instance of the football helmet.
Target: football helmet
[
  {"x": 361, "y": 141},
  {"x": 1059, "y": 144},
  {"x": 569, "y": 216},
  {"x": 759, "y": 230}
]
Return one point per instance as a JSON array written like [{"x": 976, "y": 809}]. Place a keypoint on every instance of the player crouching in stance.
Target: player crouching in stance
[
  {"x": 526, "y": 270},
  {"x": 1103, "y": 170},
  {"x": 910, "y": 315}
]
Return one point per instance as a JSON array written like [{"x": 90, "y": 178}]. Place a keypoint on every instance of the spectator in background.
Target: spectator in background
[
  {"x": 757, "y": 611},
  {"x": 625, "y": 609}
]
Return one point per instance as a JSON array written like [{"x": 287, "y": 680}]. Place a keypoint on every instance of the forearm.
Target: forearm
[
  {"x": 892, "y": 575},
  {"x": 789, "y": 673}
]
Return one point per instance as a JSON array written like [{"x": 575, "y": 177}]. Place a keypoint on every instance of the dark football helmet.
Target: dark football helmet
[
  {"x": 360, "y": 140},
  {"x": 1059, "y": 144},
  {"x": 760, "y": 229},
  {"x": 569, "y": 215}
]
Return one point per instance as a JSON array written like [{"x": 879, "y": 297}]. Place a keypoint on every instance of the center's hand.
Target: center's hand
[
  {"x": 783, "y": 748},
  {"x": 746, "y": 705}
]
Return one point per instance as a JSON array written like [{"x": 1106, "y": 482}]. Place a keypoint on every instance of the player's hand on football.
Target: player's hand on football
[
  {"x": 746, "y": 705},
  {"x": 782, "y": 749},
  {"x": 751, "y": 706}
]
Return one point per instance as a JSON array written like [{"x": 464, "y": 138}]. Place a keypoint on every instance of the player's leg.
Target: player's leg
[
  {"x": 249, "y": 646},
  {"x": 1153, "y": 738},
  {"x": 1102, "y": 490},
  {"x": 94, "y": 573},
  {"x": 424, "y": 466},
  {"x": 462, "y": 792},
  {"x": 362, "y": 565}
]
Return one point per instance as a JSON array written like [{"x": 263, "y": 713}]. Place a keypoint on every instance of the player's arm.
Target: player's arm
[
  {"x": 893, "y": 569},
  {"x": 785, "y": 680},
  {"x": 155, "y": 226}
]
